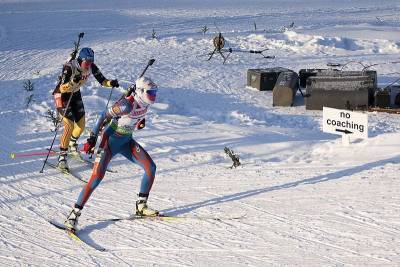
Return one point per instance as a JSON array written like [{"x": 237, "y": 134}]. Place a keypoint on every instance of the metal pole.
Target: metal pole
[{"x": 55, "y": 135}]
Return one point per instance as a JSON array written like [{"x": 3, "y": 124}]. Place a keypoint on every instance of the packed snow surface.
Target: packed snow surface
[{"x": 299, "y": 198}]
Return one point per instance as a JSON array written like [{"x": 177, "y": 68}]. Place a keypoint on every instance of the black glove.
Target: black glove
[
  {"x": 114, "y": 83},
  {"x": 88, "y": 147},
  {"x": 77, "y": 78},
  {"x": 141, "y": 124},
  {"x": 131, "y": 89}
]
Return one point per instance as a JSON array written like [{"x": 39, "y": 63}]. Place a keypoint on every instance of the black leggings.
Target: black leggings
[{"x": 76, "y": 110}]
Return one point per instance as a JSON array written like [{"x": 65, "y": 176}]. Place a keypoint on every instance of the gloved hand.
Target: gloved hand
[
  {"x": 130, "y": 90},
  {"x": 88, "y": 147},
  {"x": 114, "y": 83},
  {"x": 77, "y": 78},
  {"x": 141, "y": 124}
]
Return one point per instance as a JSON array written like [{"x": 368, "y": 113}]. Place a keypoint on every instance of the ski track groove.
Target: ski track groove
[
  {"x": 370, "y": 226},
  {"x": 288, "y": 237},
  {"x": 302, "y": 227},
  {"x": 361, "y": 219},
  {"x": 33, "y": 243},
  {"x": 253, "y": 234},
  {"x": 169, "y": 229}
]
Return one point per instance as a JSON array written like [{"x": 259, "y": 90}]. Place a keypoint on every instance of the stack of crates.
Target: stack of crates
[
  {"x": 264, "y": 79},
  {"x": 338, "y": 89}
]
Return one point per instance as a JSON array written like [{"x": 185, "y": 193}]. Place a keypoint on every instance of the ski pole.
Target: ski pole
[
  {"x": 56, "y": 131},
  {"x": 151, "y": 61},
  {"x": 108, "y": 101},
  {"x": 109, "y": 97}
]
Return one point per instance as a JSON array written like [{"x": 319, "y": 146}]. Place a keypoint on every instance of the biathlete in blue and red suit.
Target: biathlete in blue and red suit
[{"x": 124, "y": 117}]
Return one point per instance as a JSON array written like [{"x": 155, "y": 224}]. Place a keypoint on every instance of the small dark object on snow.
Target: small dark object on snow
[
  {"x": 154, "y": 34},
  {"x": 233, "y": 156},
  {"x": 29, "y": 86},
  {"x": 204, "y": 30},
  {"x": 53, "y": 117},
  {"x": 29, "y": 100}
]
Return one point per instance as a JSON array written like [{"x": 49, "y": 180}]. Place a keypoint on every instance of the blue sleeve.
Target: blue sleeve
[
  {"x": 99, "y": 123},
  {"x": 120, "y": 108}
]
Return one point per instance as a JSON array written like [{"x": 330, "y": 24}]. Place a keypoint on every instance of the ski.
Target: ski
[
  {"x": 166, "y": 217},
  {"x": 75, "y": 236},
  {"x": 69, "y": 173},
  {"x": 138, "y": 217}
]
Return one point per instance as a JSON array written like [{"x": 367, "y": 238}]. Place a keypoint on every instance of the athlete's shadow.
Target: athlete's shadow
[
  {"x": 314, "y": 180},
  {"x": 85, "y": 232}
]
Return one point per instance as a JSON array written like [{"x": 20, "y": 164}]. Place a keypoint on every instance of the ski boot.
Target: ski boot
[
  {"x": 71, "y": 223},
  {"x": 73, "y": 149},
  {"x": 143, "y": 210},
  {"x": 62, "y": 162}
]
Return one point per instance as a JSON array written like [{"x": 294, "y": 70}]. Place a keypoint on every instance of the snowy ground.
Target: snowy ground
[{"x": 306, "y": 200}]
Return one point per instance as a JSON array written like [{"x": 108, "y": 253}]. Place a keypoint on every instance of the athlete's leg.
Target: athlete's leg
[
  {"x": 137, "y": 154},
  {"x": 79, "y": 127},
  {"x": 110, "y": 145},
  {"x": 76, "y": 133},
  {"x": 65, "y": 137},
  {"x": 67, "y": 114},
  {"x": 78, "y": 111}
]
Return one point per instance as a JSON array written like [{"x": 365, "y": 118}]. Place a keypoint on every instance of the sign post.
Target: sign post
[{"x": 345, "y": 123}]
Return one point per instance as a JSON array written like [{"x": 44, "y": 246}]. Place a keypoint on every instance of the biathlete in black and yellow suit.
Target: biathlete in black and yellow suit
[{"x": 75, "y": 74}]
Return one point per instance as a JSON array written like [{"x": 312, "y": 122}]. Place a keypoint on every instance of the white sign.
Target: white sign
[{"x": 344, "y": 122}]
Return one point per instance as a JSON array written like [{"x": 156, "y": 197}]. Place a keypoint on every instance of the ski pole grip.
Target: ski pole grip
[{"x": 151, "y": 61}]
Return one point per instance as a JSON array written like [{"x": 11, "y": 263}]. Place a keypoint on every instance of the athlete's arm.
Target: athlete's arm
[{"x": 120, "y": 108}]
